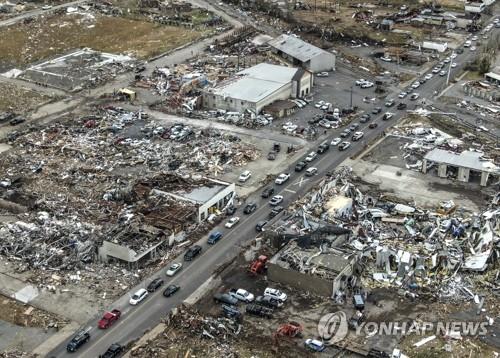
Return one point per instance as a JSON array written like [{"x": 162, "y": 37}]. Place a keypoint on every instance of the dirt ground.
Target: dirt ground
[
  {"x": 26, "y": 43},
  {"x": 20, "y": 99}
]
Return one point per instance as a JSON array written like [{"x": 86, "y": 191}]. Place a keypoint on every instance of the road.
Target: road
[{"x": 37, "y": 12}]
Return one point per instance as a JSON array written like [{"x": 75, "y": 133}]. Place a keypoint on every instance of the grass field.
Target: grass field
[
  {"x": 26, "y": 43},
  {"x": 19, "y": 99}
]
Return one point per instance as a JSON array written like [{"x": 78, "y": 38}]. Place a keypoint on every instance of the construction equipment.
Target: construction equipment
[{"x": 258, "y": 266}]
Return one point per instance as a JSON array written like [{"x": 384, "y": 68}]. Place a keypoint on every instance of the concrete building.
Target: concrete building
[
  {"x": 258, "y": 86},
  {"x": 477, "y": 6},
  {"x": 311, "y": 269},
  {"x": 464, "y": 163},
  {"x": 303, "y": 54},
  {"x": 493, "y": 76},
  {"x": 209, "y": 199},
  {"x": 435, "y": 46}
]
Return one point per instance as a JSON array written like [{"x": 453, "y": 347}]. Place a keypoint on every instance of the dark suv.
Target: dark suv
[
  {"x": 113, "y": 351},
  {"x": 155, "y": 284},
  {"x": 267, "y": 192},
  {"x": 300, "y": 166},
  {"x": 225, "y": 298},
  {"x": 192, "y": 252},
  {"x": 77, "y": 341},
  {"x": 261, "y": 311},
  {"x": 250, "y": 208}
]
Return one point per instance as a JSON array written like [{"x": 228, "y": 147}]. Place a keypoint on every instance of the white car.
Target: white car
[
  {"x": 282, "y": 178},
  {"x": 275, "y": 293},
  {"x": 473, "y": 48},
  {"x": 275, "y": 200},
  {"x": 386, "y": 59},
  {"x": 290, "y": 127},
  {"x": 474, "y": 38},
  {"x": 46, "y": 7},
  {"x": 242, "y": 295},
  {"x": 173, "y": 269},
  {"x": 367, "y": 84},
  {"x": 403, "y": 95},
  {"x": 360, "y": 82},
  {"x": 447, "y": 60},
  {"x": 454, "y": 64},
  {"x": 322, "y": 74},
  {"x": 231, "y": 222},
  {"x": 245, "y": 176},
  {"x": 311, "y": 171},
  {"x": 415, "y": 84},
  {"x": 311, "y": 156},
  {"x": 319, "y": 104},
  {"x": 428, "y": 76},
  {"x": 442, "y": 73},
  {"x": 299, "y": 104},
  {"x": 138, "y": 296},
  {"x": 336, "y": 141},
  {"x": 357, "y": 136}
]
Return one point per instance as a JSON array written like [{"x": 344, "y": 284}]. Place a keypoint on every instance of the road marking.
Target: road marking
[
  {"x": 301, "y": 181},
  {"x": 290, "y": 191}
]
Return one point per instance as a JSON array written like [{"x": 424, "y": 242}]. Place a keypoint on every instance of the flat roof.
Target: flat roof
[
  {"x": 202, "y": 194},
  {"x": 493, "y": 75},
  {"x": 466, "y": 159},
  {"x": 296, "y": 47},
  {"x": 255, "y": 83}
]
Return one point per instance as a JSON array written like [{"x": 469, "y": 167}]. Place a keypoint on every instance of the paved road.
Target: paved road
[{"x": 38, "y": 12}]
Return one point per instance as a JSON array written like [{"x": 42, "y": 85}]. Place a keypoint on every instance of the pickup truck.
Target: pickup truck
[
  {"x": 282, "y": 178},
  {"x": 241, "y": 294},
  {"x": 109, "y": 318}
]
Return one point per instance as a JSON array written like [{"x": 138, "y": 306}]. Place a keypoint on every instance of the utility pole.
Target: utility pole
[{"x": 351, "y": 98}]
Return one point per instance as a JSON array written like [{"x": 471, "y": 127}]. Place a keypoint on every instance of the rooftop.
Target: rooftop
[
  {"x": 201, "y": 194},
  {"x": 296, "y": 47},
  {"x": 466, "y": 159},
  {"x": 255, "y": 83}
]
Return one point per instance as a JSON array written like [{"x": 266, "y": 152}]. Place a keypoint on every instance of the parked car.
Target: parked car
[
  {"x": 268, "y": 301},
  {"x": 282, "y": 178},
  {"x": 260, "y": 226},
  {"x": 322, "y": 74},
  {"x": 108, "y": 318},
  {"x": 173, "y": 269},
  {"x": 360, "y": 82},
  {"x": 367, "y": 84},
  {"x": 16, "y": 121},
  {"x": 300, "y": 166},
  {"x": 245, "y": 176},
  {"x": 250, "y": 208},
  {"x": 276, "y": 200},
  {"x": 377, "y": 110},
  {"x": 230, "y": 210},
  {"x": 231, "y": 222},
  {"x": 311, "y": 156},
  {"x": 276, "y": 210},
  {"x": 314, "y": 345},
  {"x": 258, "y": 310},
  {"x": 401, "y": 106},
  {"x": 323, "y": 147},
  {"x": 428, "y": 76},
  {"x": 170, "y": 290},
  {"x": 415, "y": 84},
  {"x": 192, "y": 252},
  {"x": 311, "y": 171},
  {"x": 373, "y": 125},
  {"x": 353, "y": 126},
  {"x": 345, "y": 133},
  {"x": 357, "y": 136},
  {"x": 414, "y": 96},
  {"x": 436, "y": 70},
  {"x": 77, "y": 341},
  {"x": 155, "y": 284},
  {"x": 275, "y": 293},
  {"x": 402, "y": 95},
  {"x": 137, "y": 297},
  {"x": 335, "y": 141},
  {"x": 267, "y": 192},
  {"x": 113, "y": 351},
  {"x": 344, "y": 145},
  {"x": 225, "y": 298},
  {"x": 241, "y": 295},
  {"x": 389, "y": 103},
  {"x": 387, "y": 116},
  {"x": 442, "y": 73},
  {"x": 214, "y": 237},
  {"x": 364, "y": 118}
]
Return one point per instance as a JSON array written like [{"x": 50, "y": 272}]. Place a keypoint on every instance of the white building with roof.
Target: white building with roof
[
  {"x": 257, "y": 86},
  {"x": 303, "y": 54}
]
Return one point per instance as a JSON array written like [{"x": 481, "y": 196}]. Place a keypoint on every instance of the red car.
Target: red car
[{"x": 109, "y": 318}]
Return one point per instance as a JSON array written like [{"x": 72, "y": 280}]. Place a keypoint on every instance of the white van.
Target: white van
[{"x": 467, "y": 43}]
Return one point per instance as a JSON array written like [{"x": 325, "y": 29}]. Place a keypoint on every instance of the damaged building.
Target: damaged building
[{"x": 258, "y": 86}]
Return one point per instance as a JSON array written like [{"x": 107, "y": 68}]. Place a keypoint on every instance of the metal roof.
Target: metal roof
[
  {"x": 466, "y": 159},
  {"x": 493, "y": 75},
  {"x": 255, "y": 83},
  {"x": 296, "y": 47}
]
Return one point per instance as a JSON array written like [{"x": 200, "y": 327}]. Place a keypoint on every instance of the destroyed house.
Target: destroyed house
[
  {"x": 303, "y": 54},
  {"x": 258, "y": 86},
  {"x": 315, "y": 269}
]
